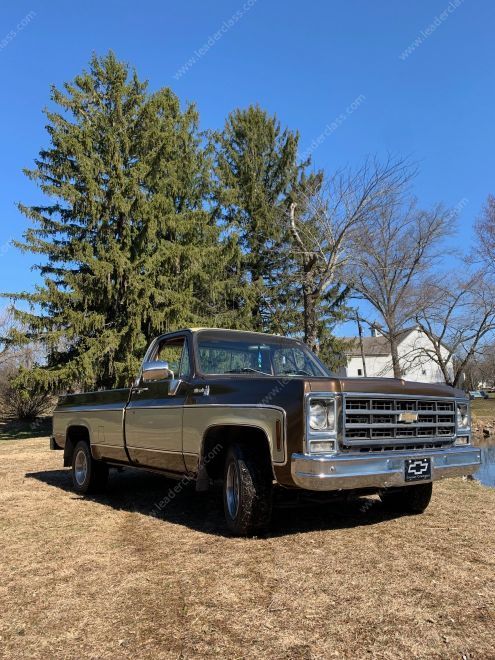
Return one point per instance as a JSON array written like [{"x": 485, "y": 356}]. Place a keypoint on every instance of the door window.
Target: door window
[{"x": 175, "y": 352}]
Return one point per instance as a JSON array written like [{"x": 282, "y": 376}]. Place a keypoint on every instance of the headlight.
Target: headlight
[
  {"x": 321, "y": 424},
  {"x": 322, "y": 414},
  {"x": 463, "y": 421}
]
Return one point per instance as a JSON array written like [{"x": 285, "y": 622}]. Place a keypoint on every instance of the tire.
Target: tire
[
  {"x": 409, "y": 499},
  {"x": 88, "y": 476},
  {"x": 247, "y": 491}
]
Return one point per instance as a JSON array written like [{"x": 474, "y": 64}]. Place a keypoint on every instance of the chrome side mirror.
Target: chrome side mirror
[{"x": 157, "y": 370}]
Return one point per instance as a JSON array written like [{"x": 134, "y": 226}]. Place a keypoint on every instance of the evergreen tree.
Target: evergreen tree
[
  {"x": 256, "y": 168},
  {"x": 129, "y": 248}
]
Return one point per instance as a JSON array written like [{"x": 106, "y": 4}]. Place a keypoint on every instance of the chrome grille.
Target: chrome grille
[{"x": 397, "y": 421}]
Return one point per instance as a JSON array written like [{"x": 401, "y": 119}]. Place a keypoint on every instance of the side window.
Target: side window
[{"x": 175, "y": 352}]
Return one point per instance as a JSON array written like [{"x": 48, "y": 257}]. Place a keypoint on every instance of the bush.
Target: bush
[{"x": 17, "y": 403}]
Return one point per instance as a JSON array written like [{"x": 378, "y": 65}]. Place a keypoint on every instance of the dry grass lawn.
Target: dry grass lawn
[{"x": 103, "y": 578}]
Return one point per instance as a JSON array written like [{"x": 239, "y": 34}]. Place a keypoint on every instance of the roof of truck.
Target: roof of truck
[{"x": 251, "y": 332}]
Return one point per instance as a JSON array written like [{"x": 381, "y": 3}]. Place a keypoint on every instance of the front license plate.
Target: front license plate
[{"x": 417, "y": 469}]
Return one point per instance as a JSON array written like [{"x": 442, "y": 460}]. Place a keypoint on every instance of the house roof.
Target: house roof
[{"x": 372, "y": 345}]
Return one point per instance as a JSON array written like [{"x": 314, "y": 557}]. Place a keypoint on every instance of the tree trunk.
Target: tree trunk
[
  {"x": 361, "y": 346},
  {"x": 310, "y": 322},
  {"x": 395, "y": 356}
]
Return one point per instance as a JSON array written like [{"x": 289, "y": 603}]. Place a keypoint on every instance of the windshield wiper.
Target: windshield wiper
[
  {"x": 246, "y": 370},
  {"x": 298, "y": 372}
]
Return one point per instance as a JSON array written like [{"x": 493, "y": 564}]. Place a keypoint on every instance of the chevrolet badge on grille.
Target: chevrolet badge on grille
[{"x": 408, "y": 417}]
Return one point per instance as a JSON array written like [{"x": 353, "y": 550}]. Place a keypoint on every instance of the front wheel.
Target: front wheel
[
  {"x": 88, "y": 475},
  {"x": 247, "y": 491},
  {"x": 409, "y": 499}
]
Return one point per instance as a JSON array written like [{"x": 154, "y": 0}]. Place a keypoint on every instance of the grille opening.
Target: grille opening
[
  {"x": 415, "y": 447},
  {"x": 358, "y": 419},
  {"x": 406, "y": 433},
  {"x": 382, "y": 404},
  {"x": 357, "y": 434},
  {"x": 444, "y": 406},
  {"x": 357, "y": 404},
  {"x": 427, "y": 405},
  {"x": 382, "y": 433},
  {"x": 382, "y": 419}
]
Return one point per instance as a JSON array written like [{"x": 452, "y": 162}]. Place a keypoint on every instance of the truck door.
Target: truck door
[{"x": 153, "y": 421}]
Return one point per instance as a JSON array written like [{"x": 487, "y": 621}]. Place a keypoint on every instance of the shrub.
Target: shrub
[{"x": 17, "y": 403}]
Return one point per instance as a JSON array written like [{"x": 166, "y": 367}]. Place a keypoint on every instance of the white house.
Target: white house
[{"x": 415, "y": 356}]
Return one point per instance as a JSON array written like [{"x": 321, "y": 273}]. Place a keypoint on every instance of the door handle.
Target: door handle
[
  {"x": 204, "y": 390},
  {"x": 139, "y": 390}
]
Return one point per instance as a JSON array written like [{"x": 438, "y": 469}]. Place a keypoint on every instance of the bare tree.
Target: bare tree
[
  {"x": 392, "y": 252},
  {"x": 458, "y": 317},
  {"x": 323, "y": 217},
  {"x": 485, "y": 231},
  {"x": 6, "y": 355}
]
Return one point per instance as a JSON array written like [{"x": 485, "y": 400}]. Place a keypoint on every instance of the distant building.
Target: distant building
[{"x": 415, "y": 355}]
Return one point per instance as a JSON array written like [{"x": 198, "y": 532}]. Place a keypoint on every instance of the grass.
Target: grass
[
  {"x": 102, "y": 578},
  {"x": 483, "y": 407}
]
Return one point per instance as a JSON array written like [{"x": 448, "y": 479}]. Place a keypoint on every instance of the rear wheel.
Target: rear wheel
[
  {"x": 247, "y": 491},
  {"x": 88, "y": 475},
  {"x": 409, "y": 499}
]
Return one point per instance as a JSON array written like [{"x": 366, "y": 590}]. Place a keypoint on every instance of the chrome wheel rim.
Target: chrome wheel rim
[
  {"x": 232, "y": 490},
  {"x": 80, "y": 467}
]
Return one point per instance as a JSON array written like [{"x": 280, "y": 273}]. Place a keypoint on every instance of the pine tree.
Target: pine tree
[
  {"x": 128, "y": 246},
  {"x": 256, "y": 168}
]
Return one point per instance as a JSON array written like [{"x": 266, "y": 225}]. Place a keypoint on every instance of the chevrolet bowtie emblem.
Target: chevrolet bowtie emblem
[{"x": 408, "y": 417}]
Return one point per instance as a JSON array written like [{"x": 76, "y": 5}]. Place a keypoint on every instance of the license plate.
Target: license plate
[{"x": 417, "y": 469}]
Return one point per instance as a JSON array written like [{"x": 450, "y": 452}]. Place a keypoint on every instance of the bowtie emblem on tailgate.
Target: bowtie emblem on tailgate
[{"x": 408, "y": 417}]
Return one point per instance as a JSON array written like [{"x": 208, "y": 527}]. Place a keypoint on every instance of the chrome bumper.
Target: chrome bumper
[{"x": 352, "y": 470}]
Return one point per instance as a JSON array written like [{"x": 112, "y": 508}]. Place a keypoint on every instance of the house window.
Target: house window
[{"x": 360, "y": 372}]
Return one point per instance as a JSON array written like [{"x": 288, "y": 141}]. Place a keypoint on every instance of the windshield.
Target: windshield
[{"x": 222, "y": 353}]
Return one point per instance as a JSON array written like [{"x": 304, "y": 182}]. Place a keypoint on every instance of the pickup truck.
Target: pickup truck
[{"x": 261, "y": 412}]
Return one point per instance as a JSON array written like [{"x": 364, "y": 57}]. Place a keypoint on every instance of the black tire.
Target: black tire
[
  {"x": 409, "y": 499},
  {"x": 252, "y": 511},
  {"x": 88, "y": 476}
]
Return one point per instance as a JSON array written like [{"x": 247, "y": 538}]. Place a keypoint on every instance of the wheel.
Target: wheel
[
  {"x": 88, "y": 475},
  {"x": 247, "y": 491},
  {"x": 409, "y": 499}
]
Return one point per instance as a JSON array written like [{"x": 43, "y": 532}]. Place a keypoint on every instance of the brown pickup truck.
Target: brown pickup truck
[{"x": 262, "y": 412}]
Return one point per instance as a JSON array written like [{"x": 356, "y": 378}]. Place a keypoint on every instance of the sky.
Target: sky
[{"x": 353, "y": 77}]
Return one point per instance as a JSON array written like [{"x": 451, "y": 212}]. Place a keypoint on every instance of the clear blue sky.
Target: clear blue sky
[{"x": 305, "y": 61}]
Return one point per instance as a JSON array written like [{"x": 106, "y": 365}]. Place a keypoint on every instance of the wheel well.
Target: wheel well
[
  {"x": 218, "y": 439},
  {"x": 73, "y": 436}
]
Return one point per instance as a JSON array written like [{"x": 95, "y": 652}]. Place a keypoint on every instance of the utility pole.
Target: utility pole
[{"x": 360, "y": 333}]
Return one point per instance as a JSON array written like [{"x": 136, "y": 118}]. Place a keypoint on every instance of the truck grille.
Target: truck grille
[{"x": 397, "y": 421}]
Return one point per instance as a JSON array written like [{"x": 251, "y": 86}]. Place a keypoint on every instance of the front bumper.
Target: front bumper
[{"x": 352, "y": 470}]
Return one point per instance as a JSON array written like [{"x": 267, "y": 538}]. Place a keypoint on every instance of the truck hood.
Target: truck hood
[{"x": 391, "y": 386}]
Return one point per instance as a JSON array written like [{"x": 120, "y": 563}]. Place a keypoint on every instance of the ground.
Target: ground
[
  {"x": 481, "y": 408},
  {"x": 104, "y": 578}
]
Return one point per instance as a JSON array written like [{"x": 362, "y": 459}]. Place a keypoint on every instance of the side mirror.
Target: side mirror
[{"x": 157, "y": 370}]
